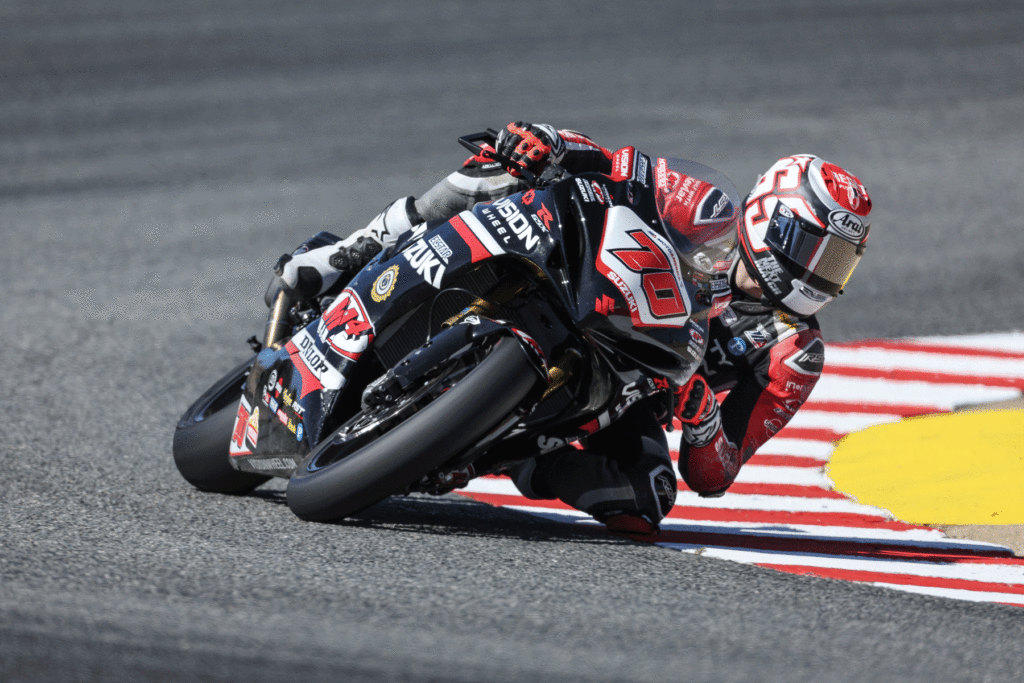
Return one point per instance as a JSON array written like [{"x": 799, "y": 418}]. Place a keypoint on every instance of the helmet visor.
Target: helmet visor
[{"x": 810, "y": 253}]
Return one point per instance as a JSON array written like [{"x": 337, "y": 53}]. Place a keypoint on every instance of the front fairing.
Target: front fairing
[{"x": 627, "y": 288}]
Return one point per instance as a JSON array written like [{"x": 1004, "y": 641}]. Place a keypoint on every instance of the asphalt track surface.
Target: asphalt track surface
[{"x": 155, "y": 158}]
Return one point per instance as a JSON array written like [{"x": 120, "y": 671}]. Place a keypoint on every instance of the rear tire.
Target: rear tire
[
  {"x": 441, "y": 428},
  {"x": 204, "y": 433}
]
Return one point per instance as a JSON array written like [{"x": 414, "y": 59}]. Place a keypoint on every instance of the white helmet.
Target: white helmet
[{"x": 805, "y": 226}]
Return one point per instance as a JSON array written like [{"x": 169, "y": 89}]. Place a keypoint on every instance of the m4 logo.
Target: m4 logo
[{"x": 345, "y": 325}]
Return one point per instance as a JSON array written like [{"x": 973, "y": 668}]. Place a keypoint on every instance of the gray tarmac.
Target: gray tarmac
[{"x": 156, "y": 158}]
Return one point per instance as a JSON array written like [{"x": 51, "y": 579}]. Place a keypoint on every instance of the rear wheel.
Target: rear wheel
[
  {"x": 204, "y": 433},
  {"x": 383, "y": 450}
]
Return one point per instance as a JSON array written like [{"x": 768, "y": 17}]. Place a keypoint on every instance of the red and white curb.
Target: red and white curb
[{"x": 782, "y": 512}]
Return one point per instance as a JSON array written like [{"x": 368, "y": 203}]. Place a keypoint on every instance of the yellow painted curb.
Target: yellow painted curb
[{"x": 961, "y": 468}]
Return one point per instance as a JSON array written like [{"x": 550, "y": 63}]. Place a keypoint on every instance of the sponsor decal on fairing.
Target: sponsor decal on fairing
[
  {"x": 312, "y": 365},
  {"x": 476, "y": 236},
  {"x": 345, "y": 326},
  {"x": 549, "y": 443},
  {"x": 545, "y": 216},
  {"x": 384, "y": 284},
  {"x": 645, "y": 269},
  {"x": 512, "y": 218},
  {"x": 238, "y": 435},
  {"x": 441, "y": 248},
  {"x": 425, "y": 262},
  {"x": 272, "y": 463},
  {"x": 252, "y": 427},
  {"x": 585, "y": 190},
  {"x": 622, "y": 163},
  {"x": 631, "y": 393}
]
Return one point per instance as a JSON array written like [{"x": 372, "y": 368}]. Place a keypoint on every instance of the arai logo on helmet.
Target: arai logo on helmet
[{"x": 847, "y": 224}]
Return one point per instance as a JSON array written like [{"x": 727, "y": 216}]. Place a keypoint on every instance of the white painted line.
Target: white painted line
[
  {"x": 739, "y": 501},
  {"x": 780, "y": 445},
  {"x": 883, "y": 391},
  {"x": 813, "y": 531},
  {"x": 929, "y": 362},
  {"x": 730, "y": 501},
  {"x": 1000, "y": 341},
  {"x": 843, "y": 423},
  {"x": 770, "y": 474},
  {"x": 804, "y": 447},
  {"x": 955, "y": 593},
  {"x": 965, "y": 570}
]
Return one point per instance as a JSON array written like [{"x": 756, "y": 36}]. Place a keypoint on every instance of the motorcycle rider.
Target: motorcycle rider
[{"x": 801, "y": 232}]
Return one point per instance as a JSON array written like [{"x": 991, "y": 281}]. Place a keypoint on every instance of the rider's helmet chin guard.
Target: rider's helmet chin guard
[{"x": 804, "y": 229}]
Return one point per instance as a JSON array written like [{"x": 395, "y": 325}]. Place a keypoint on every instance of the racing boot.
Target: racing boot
[{"x": 324, "y": 260}]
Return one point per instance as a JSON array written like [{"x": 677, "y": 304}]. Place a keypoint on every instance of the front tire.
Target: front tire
[
  {"x": 203, "y": 436},
  {"x": 439, "y": 429}
]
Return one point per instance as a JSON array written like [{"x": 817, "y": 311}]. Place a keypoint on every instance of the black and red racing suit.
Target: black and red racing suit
[{"x": 766, "y": 363}]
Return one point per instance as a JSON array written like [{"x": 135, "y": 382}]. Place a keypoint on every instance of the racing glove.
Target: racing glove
[
  {"x": 532, "y": 146},
  {"x": 709, "y": 462},
  {"x": 323, "y": 260}
]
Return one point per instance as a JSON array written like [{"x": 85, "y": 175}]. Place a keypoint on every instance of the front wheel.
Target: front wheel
[
  {"x": 203, "y": 436},
  {"x": 381, "y": 451}
]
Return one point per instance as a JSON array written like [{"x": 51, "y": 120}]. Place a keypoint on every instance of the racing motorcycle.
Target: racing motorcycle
[{"x": 503, "y": 333}]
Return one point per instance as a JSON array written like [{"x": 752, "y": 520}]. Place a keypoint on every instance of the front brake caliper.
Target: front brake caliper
[{"x": 382, "y": 391}]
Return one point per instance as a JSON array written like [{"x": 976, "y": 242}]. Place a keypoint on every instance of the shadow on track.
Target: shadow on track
[{"x": 456, "y": 516}]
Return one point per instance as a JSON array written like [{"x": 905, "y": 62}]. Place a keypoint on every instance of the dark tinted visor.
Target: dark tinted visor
[
  {"x": 793, "y": 237},
  {"x": 811, "y": 254}
]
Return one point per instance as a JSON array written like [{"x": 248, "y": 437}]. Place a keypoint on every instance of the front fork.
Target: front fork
[{"x": 279, "y": 326}]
